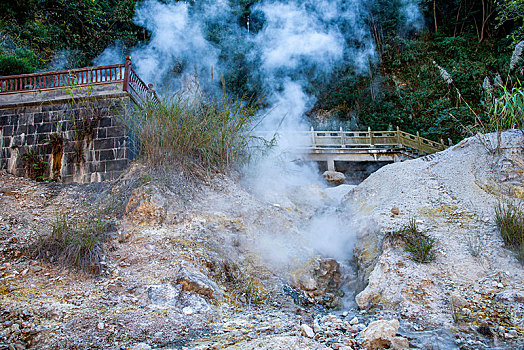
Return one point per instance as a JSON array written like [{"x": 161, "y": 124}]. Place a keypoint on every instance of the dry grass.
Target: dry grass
[
  {"x": 74, "y": 244},
  {"x": 509, "y": 217},
  {"x": 193, "y": 134}
]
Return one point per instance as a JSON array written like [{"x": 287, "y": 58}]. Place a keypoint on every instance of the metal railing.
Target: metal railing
[
  {"x": 88, "y": 76},
  {"x": 139, "y": 90}
]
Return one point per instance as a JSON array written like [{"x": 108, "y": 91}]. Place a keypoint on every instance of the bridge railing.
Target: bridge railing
[
  {"x": 116, "y": 73},
  {"x": 372, "y": 139},
  {"x": 139, "y": 90},
  {"x": 62, "y": 79}
]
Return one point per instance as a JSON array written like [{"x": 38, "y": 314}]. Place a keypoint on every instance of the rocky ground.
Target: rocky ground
[
  {"x": 475, "y": 283},
  {"x": 214, "y": 266}
]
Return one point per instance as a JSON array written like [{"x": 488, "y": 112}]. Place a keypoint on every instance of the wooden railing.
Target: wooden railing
[
  {"x": 72, "y": 78},
  {"x": 318, "y": 140}
]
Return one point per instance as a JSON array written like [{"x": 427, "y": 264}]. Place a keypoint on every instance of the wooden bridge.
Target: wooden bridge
[{"x": 364, "y": 146}]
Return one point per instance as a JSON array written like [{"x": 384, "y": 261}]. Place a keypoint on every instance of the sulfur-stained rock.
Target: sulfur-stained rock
[
  {"x": 328, "y": 275},
  {"x": 146, "y": 205}
]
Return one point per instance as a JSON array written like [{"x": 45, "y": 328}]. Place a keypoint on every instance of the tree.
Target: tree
[{"x": 512, "y": 12}]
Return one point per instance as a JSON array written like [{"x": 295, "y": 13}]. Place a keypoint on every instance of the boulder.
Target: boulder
[
  {"x": 307, "y": 331},
  {"x": 194, "y": 281},
  {"x": 164, "y": 294},
  {"x": 395, "y": 210},
  {"x": 307, "y": 283},
  {"x": 334, "y": 177},
  {"x": 511, "y": 295},
  {"x": 140, "y": 346},
  {"x": 328, "y": 275},
  {"x": 381, "y": 334}
]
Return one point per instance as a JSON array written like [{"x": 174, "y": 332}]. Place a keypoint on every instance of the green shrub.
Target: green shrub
[
  {"x": 418, "y": 244},
  {"x": 19, "y": 62},
  {"x": 504, "y": 109},
  {"x": 35, "y": 165},
  {"x": 509, "y": 217},
  {"x": 193, "y": 133},
  {"x": 74, "y": 244}
]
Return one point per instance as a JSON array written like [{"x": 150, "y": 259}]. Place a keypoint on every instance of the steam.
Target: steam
[
  {"x": 176, "y": 40},
  {"x": 294, "y": 36},
  {"x": 410, "y": 10},
  {"x": 296, "y": 39},
  {"x": 295, "y": 44}
]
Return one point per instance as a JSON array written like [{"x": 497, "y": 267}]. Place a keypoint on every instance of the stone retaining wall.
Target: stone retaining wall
[{"x": 81, "y": 140}]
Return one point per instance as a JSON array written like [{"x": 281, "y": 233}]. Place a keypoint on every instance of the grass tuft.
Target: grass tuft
[
  {"x": 74, "y": 244},
  {"x": 418, "y": 244},
  {"x": 35, "y": 165},
  {"x": 244, "y": 288},
  {"x": 193, "y": 133},
  {"x": 509, "y": 217}
]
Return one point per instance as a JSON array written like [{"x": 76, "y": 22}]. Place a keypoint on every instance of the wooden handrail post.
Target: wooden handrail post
[
  {"x": 341, "y": 138},
  {"x": 370, "y": 137},
  {"x": 150, "y": 91},
  {"x": 313, "y": 144},
  {"x": 399, "y": 141},
  {"x": 127, "y": 71}
]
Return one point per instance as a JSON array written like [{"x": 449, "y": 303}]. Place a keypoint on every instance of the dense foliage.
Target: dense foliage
[
  {"x": 512, "y": 11},
  {"x": 34, "y": 32},
  {"x": 462, "y": 38},
  {"x": 464, "y": 41}
]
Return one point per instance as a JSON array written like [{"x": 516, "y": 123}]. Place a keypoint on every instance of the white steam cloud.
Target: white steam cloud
[
  {"x": 297, "y": 41},
  {"x": 413, "y": 18},
  {"x": 294, "y": 35},
  {"x": 176, "y": 38}
]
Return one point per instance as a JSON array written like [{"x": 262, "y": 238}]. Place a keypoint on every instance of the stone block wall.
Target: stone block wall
[{"x": 69, "y": 141}]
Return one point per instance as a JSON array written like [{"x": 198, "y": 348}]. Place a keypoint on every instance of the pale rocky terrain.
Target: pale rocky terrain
[
  {"x": 215, "y": 267},
  {"x": 452, "y": 196}
]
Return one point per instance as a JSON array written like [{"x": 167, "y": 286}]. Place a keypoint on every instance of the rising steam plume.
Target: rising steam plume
[{"x": 286, "y": 46}]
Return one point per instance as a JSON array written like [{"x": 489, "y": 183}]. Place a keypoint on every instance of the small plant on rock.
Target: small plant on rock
[
  {"x": 417, "y": 243},
  {"x": 35, "y": 165},
  {"x": 509, "y": 217},
  {"x": 252, "y": 291},
  {"x": 474, "y": 245},
  {"x": 244, "y": 288}
]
